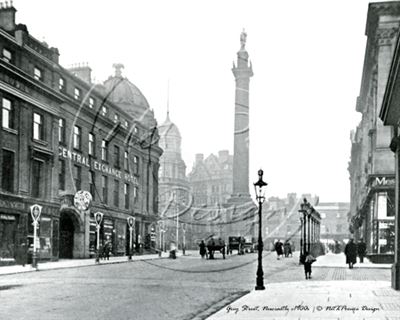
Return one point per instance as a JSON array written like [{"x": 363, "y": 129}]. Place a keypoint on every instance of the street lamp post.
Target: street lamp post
[
  {"x": 305, "y": 220},
  {"x": 184, "y": 238},
  {"x": 35, "y": 213},
  {"x": 163, "y": 239},
  {"x": 98, "y": 216},
  {"x": 309, "y": 231},
  {"x": 131, "y": 224},
  {"x": 160, "y": 230},
  {"x": 301, "y": 235},
  {"x": 258, "y": 186},
  {"x": 177, "y": 222}
]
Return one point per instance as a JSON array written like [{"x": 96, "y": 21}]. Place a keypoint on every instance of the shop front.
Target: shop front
[
  {"x": 374, "y": 223},
  {"x": 16, "y": 231},
  {"x": 8, "y": 237}
]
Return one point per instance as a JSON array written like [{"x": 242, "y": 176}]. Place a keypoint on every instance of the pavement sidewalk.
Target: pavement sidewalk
[
  {"x": 333, "y": 260},
  {"x": 309, "y": 299},
  {"x": 75, "y": 263}
]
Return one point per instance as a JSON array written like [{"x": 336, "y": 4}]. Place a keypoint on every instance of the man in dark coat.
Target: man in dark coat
[
  {"x": 287, "y": 248},
  {"x": 203, "y": 250},
  {"x": 362, "y": 250},
  {"x": 351, "y": 253},
  {"x": 22, "y": 254},
  {"x": 279, "y": 249},
  {"x": 107, "y": 249}
]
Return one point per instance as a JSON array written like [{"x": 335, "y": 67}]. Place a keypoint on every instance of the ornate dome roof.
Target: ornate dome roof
[{"x": 123, "y": 91}]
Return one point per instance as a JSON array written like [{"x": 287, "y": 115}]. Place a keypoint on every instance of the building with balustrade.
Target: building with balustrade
[{"x": 62, "y": 133}]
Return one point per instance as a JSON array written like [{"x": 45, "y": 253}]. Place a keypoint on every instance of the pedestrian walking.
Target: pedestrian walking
[
  {"x": 308, "y": 261},
  {"x": 351, "y": 253},
  {"x": 203, "y": 249},
  {"x": 107, "y": 249},
  {"x": 279, "y": 249},
  {"x": 362, "y": 250},
  {"x": 286, "y": 249},
  {"x": 22, "y": 254},
  {"x": 337, "y": 248}
]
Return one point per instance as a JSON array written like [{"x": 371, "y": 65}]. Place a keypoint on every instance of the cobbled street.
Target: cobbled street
[{"x": 185, "y": 288}]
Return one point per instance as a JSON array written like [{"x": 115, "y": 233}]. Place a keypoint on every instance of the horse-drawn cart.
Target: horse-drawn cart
[{"x": 215, "y": 245}]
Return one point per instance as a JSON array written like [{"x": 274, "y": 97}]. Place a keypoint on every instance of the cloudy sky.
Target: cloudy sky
[{"x": 307, "y": 60}]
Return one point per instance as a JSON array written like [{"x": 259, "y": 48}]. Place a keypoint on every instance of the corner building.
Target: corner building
[
  {"x": 61, "y": 133},
  {"x": 372, "y": 166}
]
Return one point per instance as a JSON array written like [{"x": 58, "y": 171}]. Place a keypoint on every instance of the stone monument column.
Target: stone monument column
[{"x": 242, "y": 72}]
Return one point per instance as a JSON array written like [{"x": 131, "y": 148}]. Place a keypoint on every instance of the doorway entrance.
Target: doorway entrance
[{"x": 67, "y": 230}]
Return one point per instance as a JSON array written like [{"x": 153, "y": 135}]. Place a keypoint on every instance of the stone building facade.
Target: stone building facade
[
  {"x": 281, "y": 219},
  {"x": 390, "y": 115},
  {"x": 334, "y": 221},
  {"x": 61, "y": 133},
  {"x": 371, "y": 166},
  {"x": 211, "y": 179}
]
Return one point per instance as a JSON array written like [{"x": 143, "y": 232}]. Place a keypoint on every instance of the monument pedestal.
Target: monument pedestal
[{"x": 242, "y": 215}]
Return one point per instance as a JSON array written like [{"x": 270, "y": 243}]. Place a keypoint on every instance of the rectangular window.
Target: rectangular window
[
  {"x": 61, "y": 175},
  {"x": 104, "y": 110},
  {"x": 92, "y": 145},
  {"x": 7, "y": 114},
  {"x": 61, "y": 84},
  {"x": 126, "y": 123},
  {"x": 61, "y": 131},
  {"x": 116, "y": 156},
  {"x": 126, "y": 161},
  {"x": 135, "y": 194},
  {"x": 77, "y": 94},
  {"x": 104, "y": 183},
  {"x": 92, "y": 184},
  {"x": 91, "y": 103},
  {"x": 7, "y": 55},
  {"x": 37, "y": 178},
  {"x": 7, "y": 177},
  {"x": 390, "y": 204},
  {"x": 116, "y": 118},
  {"x": 37, "y": 126},
  {"x": 37, "y": 74},
  {"x": 116, "y": 193},
  {"x": 77, "y": 137},
  {"x": 104, "y": 150},
  {"x": 78, "y": 177},
  {"x": 126, "y": 195},
  {"x": 382, "y": 205},
  {"x": 136, "y": 164}
]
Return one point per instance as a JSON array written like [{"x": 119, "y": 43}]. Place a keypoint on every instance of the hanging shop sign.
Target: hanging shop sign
[
  {"x": 131, "y": 221},
  {"x": 82, "y": 200},
  {"x": 36, "y": 210},
  {"x": 98, "y": 216}
]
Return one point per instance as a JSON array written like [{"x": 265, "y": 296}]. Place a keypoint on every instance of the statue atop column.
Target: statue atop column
[
  {"x": 118, "y": 69},
  {"x": 243, "y": 37}
]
